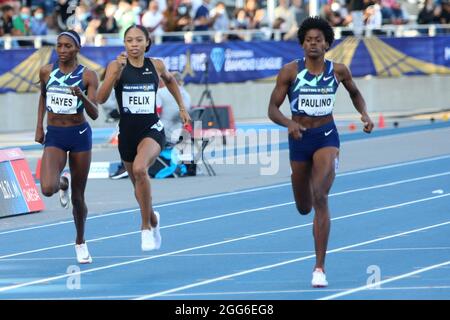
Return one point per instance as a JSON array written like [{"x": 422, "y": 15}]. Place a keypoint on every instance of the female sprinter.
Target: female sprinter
[
  {"x": 67, "y": 89},
  {"x": 311, "y": 84},
  {"x": 135, "y": 80}
]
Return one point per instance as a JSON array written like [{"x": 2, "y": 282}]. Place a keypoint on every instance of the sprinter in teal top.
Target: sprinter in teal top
[
  {"x": 59, "y": 98},
  {"x": 311, "y": 85},
  {"x": 67, "y": 90},
  {"x": 313, "y": 95}
]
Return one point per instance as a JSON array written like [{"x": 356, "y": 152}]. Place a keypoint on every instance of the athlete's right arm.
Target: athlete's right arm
[
  {"x": 39, "y": 134},
  {"x": 113, "y": 72},
  {"x": 279, "y": 93}
]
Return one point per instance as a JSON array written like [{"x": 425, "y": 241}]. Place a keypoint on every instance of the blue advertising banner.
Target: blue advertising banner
[
  {"x": 237, "y": 61},
  {"x": 11, "y": 198}
]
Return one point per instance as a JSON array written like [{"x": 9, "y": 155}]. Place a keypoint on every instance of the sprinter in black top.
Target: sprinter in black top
[{"x": 135, "y": 79}]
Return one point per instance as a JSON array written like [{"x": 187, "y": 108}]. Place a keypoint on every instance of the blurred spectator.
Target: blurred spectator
[
  {"x": 429, "y": 13},
  {"x": 153, "y": 18},
  {"x": 162, "y": 4},
  {"x": 94, "y": 24},
  {"x": 239, "y": 22},
  {"x": 62, "y": 13},
  {"x": 373, "y": 18},
  {"x": 299, "y": 10},
  {"x": 392, "y": 12},
  {"x": 356, "y": 9},
  {"x": 444, "y": 17},
  {"x": 170, "y": 16},
  {"x": 334, "y": 14},
  {"x": 219, "y": 17},
  {"x": 185, "y": 16},
  {"x": 38, "y": 23},
  {"x": 255, "y": 15},
  {"x": 47, "y": 5},
  {"x": 170, "y": 115},
  {"x": 284, "y": 18},
  {"x": 22, "y": 22},
  {"x": 202, "y": 20},
  {"x": 124, "y": 16},
  {"x": 108, "y": 23},
  {"x": 170, "y": 20},
  {"x": 137, "y": 9},
  {"x": 6, "y": 21},
  {"x": 79, "y": 21}
]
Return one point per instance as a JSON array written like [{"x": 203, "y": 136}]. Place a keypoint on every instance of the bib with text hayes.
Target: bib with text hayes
[{"x": 60, "y": 100}]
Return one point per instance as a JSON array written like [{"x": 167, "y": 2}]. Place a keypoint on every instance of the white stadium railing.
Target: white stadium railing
[{"x": 406, "y": 30}]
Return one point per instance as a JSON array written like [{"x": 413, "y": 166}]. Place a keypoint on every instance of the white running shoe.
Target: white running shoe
[
  {"x": 148, "y": 240},
  {"x": 83, "y": 255},
  {"x": 156, "y": 232},
  {"x": 319, "y": 280},
  {"x": 64, "y": 195}
]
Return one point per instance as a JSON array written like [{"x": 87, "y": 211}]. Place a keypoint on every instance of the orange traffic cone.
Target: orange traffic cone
[
  {"x": 115, "y": 139},
  {"x": 352, "y": 127},
  {"x": 381, "y": 123},
  {"x": 37, "y": 173}
]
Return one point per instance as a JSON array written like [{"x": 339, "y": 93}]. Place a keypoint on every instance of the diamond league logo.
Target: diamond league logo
[{"x": 218, "y": 58}]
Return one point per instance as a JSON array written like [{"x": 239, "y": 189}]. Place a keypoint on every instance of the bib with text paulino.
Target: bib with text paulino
[
  {"x": 316, "y": 101},
  {"x": 60, "y": 100},
  {"x": 138, "y": 98}
]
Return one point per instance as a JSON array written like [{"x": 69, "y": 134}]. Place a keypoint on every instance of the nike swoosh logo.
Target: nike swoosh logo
[
  {"x": 327, "y": 78},
  {"x": 328, "y": 132},
  {"x": 81, "y": 132},
  {"x": 73, "y": 77}
]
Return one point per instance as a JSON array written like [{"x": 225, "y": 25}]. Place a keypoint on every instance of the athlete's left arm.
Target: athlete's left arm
[
  {"x": 90, "y": 79},
  {"x": 344, "y": 75},
  {"x": 172, "y": 85}
]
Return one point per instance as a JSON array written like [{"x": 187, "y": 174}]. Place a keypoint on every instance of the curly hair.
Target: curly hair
[{"x": 316, "y": 23}]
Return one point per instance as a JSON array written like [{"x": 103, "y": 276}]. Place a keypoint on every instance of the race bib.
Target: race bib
[
  {"x": 138, "y": 98},
  {"x": 316, "y": 101},
  {"x": 60, "y": 100}
]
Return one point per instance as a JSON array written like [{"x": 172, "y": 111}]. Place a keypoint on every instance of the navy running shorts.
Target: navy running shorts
[
  {"x": 72, "y": 139},
  {"x": 313, "y": 139}
]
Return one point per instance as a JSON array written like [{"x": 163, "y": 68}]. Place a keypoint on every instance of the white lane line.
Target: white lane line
[
  {"x": 199, "y": 294},
  {"x": 223, "y": 254},
  {"x": 240, "y": 212},
  {"x": 380, "y": 283},
  {"x": 276, "y": 265},
  {"x": 100, "y": 215},
  {"x": 25, "y": 284}
]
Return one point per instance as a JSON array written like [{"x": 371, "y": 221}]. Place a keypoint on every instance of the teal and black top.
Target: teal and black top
[
  {"x": 313, "y": 95},
  {"x": 58, "y": 96}
]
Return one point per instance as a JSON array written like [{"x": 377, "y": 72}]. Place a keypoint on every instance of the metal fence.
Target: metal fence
[{"x": 407, "y": 30}]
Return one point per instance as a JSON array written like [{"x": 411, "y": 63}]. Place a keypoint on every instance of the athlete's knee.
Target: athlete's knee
[
  {"x": 320, "y": 198},
  {"x": 303, "y": 209},
  {"x": 78, "y": 203},
  {"x": 48, "y": 189},
  {"x": 140, "y": 172}
]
